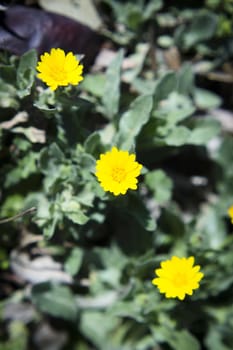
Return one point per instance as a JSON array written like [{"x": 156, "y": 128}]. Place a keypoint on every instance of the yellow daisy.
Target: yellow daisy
[
  {"x": 58, "y": 69},
  {"x": 178, "y": 277},
  {"x": 230, "y": 213},
  {"x": 117, "y": 171}
]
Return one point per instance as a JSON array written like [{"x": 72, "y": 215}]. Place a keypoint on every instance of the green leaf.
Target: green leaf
[
  {"x": 160, "y": 184},
  {"x": 113, "y": 257},
  {"x": 184, "y": 340},
  {"x": 17, "y": 336},
  {"x": 204, "y": 131},
  {"x": 224, "y": 157},
  {"x": 51, "y": 224},
  {"x": 181, "y": 340},
  {"x": 46, "y": 102},
  {"x": 128, "y": 13},
  {"x": 134, "y": 16},
  {"x": 164, "y": 87},
  {"x": 55, "y": 300},
  {"x": 92, "y": 144},
  {"x": 74, "y": 261},
  {"x": 203, "y": 27},
  {"x": 94, "y": 84},
  {"x": 26, "y": 73},
  {"x": 165, "y": 41},
  {"x": 205, "y": 99},
  {"x": 128, "y": 309},
  {"x": 174, "y": 109},
  {"x": 185, "y": 80},
  {"x": 212, "y": 227},
  {"x": 50, "y": 158},
  {"x": 171, "y": 221},
  {"x": 143, "y": 86},
  {"x": 99, "y": 335},
  {"x": 77, "y": 217},
  {"x": 141, "y": 214},
  {"x": 26, "y": 166},
  {"x": 138, "y": 58},
  {"x": 111, "y": 95},
  {"x": 213, "y": 339},
  {"x": 151, "y": 8},
  {"x": 178, "y": 136},
  {"x": 71, "y": 207},
  {"x": 12, "y": 205},
  {"x": 8, "y": 95},
  {"x": 87, "y": 162},
  {"x": 7, "y": 73},
  {"x": 133, "y": 120}
]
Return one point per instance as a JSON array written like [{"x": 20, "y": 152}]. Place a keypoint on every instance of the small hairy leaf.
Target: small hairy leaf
[
  {"x": 111, "y": 95},
  {"x": 55, "y": 300},
  {"x": 26, "y": 73},
  {"x": 133, "y": 120}
]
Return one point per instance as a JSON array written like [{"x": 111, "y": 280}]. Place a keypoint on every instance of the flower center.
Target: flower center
[
  {"x": 59, "y": 75},
  {"x": 180, "y": 279},
  {"x": 118, "y": 174}
]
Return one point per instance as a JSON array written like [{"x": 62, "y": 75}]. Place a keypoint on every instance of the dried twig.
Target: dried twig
[{"x": 25, "y": 212}]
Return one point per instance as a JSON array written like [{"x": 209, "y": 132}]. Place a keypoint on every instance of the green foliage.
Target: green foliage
[
  {"x": 202, "y": 27},
  {"x": 111, "y": 93},
  {"x": 74, "y": 261},
  {"x": 162, "y": 108},
  {"x": 160, "y": 185},
  {"x": 133, "y": 120},
  {"x": 18, "y": 335},
  {"x": 26, "y": 73},
  {"x": 55, "y": 300}
]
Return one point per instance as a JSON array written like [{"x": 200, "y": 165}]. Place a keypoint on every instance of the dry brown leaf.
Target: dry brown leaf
[
  {"x": 172, "y": 58},
  {"x": 38, "y": 270},
  {"x": 33, "y": 134},
  {"x": 20, "y": 117},
  {"x": 82, "y": 11}
]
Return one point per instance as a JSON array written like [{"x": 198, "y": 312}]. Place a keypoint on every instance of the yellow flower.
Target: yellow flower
[
  {"x": 178, "y": 277},
  {"x": 117, "y": 170},
  {"x": 230, "y": 213},
  {"x": 58, "y": 69}
]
